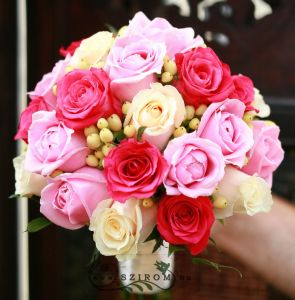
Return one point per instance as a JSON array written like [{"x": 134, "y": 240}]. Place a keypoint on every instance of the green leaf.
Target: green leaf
[
  {"x": 154, "y": 235},
  {"x": 119, "y": 136},
  {"x": 111, "y": 28},
  {"x": 221, "y": 221},
  {"x": 173, "y": 248},
  {"x": 94, "y": 258},
  {"x": 140, "y": 132},
  {"x": 139, "y": 287},
  {"x": 38, "y": 224},
  {"x": 13, "y": 196},
  {"x": 216, "y": 266},
  {"x": 159, "y": 243}
]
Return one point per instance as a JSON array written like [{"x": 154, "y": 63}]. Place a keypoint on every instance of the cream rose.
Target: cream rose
[
  {"x": 243, "y": 193},
  {"x": 93, "y": 51},
  {"x": 27, "y": 183},
  {"x": 118, "y": 228},
  {"x": 160, "y": 109},
  {"x": 260, "y": 105}
]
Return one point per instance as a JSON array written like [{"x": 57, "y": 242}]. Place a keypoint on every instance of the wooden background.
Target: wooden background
[{"x": 262, "y": 49}]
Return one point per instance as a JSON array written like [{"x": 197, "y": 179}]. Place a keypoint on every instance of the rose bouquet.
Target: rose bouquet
[{"x": 145, "y": 135}]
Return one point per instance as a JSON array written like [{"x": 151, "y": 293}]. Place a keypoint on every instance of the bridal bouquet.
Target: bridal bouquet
[{"x": 144, "y": 134}]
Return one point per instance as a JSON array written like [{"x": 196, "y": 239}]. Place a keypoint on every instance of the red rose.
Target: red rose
[
  {"x": 84, "y": 96},
  {"x": 70, "y": 49},
  {"x": 134, "y": 169},
  {"x": 186, "y": 221},
  {"x": 26, "y": 117},
  {"x": 243, "y": 90},
  {"x": 202, "y": 77}
]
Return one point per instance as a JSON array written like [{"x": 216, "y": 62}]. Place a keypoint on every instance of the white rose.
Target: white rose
[
  {"x": 118, "y": 228},
  {"x": 27, "y": 183},
  {"x": 243, "y": 193},
  {"x": 161, "y": 109},
  {"x": 93, "y": 51},
  {"x": 259, "y": 103}
]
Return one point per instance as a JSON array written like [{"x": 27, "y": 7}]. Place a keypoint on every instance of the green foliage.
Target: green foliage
[
  {"x": 111, "y": 28},
  {"x": 38, "y": 224},
  {"x": 140, "y": 132},
  {"x": 173, "y": 248},
  {"x": 155, "y": 235}
]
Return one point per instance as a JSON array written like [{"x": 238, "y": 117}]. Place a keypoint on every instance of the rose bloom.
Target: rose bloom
[
  {"x": 202, "y": 77},
  {"x": 262, "y": 109},
  {"x": 196, "y": 166},
  {"x": 84, "y": 96},
  {"x": 25, "y": 122},
  {"x": 132, "y": 64},
  {"x": 186, "y": 221},
  {"x": 44, "y": 88},
  {"x": 27, "y": 183},
  {"x": 160, "y": 109},
  {"x": 160, "y": 30},
  {"x": 244, "y": 194},
  {"x": 134, "y": 169},
  {"x": 118, "y": 228},
  {"x": 53, "y": 146},
  {"x": 92, "y": 51},
  {"x": 70, "y": 198},
  {"x": 70, "y": 49},
  {"x": 267, "y": 153},
  {"x": 243, "y": 90},
  {"x": 222, "y": 123}
]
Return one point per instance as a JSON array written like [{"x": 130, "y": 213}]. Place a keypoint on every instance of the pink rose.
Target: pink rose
[
  {"x": 53, "y": 146},
  {"x": 222, "y": 123},
  {"x": 134, "y": 169},
  {"x": 26, "y": 117},
  {"x": 160, "y": 30},
  {"x": 267, "y": 153},
  {"x": 202, "y": 77},
  {"x": 186, "y": 221},
  {"x": 84, "y": 96},
  {"x": 196, "y": 166},
  {"x": 70, "y": 198},
  {"x": 44, "y": 88},
  {"x": 132, "y": 64},
  {"x": 243, "y": 90}
]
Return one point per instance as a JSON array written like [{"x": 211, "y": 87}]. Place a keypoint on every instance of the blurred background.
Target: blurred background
[{"x": 256, "y": 38}]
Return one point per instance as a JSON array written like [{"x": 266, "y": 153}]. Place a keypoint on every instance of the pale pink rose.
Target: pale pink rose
[
  {"x": 267, "y": 153},
  {"x": 222, "y": 123},
  {"x": 196, "y": 165},
  {"x": 70, "y": 198},
  {"x": 53, "y": 146},
  {"x": 160, "y": 30},
  {"x": 44, "y": 88},
  {"x": 132, "y": 65}
]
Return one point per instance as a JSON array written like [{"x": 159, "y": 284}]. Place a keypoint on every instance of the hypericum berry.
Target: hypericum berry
[
  {"x": 91, "y": 129},
  {"x": 170, "y": 67},
  {"x": 219, "y": 202},
  {"x": 107, "y": 148},
  {"x": 125, "y": 107},
  {"x": 102, "y": 123},
  {"x": 92, "y": 161},
  {"x": 179, "y": 131},
  {"x": 248, "y": 117},
  {"x": 93, "y": 141},
  {"x": 98, "y": 154},
  {"x": 106, "y": 135},
  {"x": 54, "y": 90},
  {"x": 194, "y": 123},
  {"x": 166, "y": 77},
  {"x": 189, "y": 112},
  {"x": 147, "y": 202},
  {"x": 115, "y": 123},
  {"x": 130, "y": 130},
  {"x": 201, "y": 109}
]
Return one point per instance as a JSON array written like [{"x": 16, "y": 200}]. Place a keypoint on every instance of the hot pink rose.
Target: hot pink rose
[
  {"x": 84, "y": 96},
  {"x": 202, "y": 77},
  {"x": 70, "y": 49},
  {"x": 134, "y": 169},
  {"x": 243, "y": 90},
  {"x": 132, "y": 64},
  {"x": 160, "y": 30},
  {"x": 186, "y": 221},
  {"x": 53, "y": 146},
  {"x": 222, "y": 123},
  {"x": 70, "y": 198},
  {"x": 26, "y": 117},
  {"x": 44, "y": 88},
  {"x": 267, "y": 153},
  {"x": 196, "y": 166}
]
